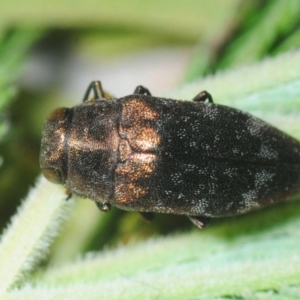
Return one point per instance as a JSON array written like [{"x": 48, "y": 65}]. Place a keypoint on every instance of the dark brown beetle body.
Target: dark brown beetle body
[{"x": 160, "y": 155}]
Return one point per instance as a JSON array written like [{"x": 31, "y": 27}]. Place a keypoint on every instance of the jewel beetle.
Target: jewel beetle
[{"x": 157, "y": 155}]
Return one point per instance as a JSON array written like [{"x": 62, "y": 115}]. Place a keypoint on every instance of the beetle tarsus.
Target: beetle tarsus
[
  {"x": 203, "y": 96},
  {"x": 141, "y": 90},
  {"x": 147, "y": 216},
  {"x": 96, "y": 87},
  {"x": 105, "y": 207},
  {"x": 200, "y": 221},
  {"x": 69, "y": 194}
]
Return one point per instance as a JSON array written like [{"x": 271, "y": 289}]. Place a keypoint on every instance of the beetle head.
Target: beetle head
[{"x": 52, "y": 155}]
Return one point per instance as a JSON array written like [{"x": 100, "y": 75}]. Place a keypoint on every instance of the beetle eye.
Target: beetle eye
[{"x": 53, "y": 175}]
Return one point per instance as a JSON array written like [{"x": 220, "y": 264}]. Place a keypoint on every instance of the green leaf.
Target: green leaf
[
  {"x": 258, "y": 29},
  {"x": 27, "y": 238},
  {"x": 14, "y": 46},
  {"x": 162, "y": 17},
  {"x": 275, "y": 21}
]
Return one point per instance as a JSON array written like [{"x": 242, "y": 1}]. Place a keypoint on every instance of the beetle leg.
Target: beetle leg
[
  {"x": 142, "y": 90},
  {"x": 199, "y": 221},
  {"x": 96, "y": 87},
  {"x": 105, "y": 207},
  {"x": 203, "y": 96},
  {"x": 147, "y": 216},
  {"x": 69, "y": 194}
]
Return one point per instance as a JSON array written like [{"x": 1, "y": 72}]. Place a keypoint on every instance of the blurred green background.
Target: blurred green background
[{"x": 49, "y": 53}]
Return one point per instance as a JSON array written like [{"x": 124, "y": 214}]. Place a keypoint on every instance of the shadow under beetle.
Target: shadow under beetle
[{"x": 152, "y": 154}]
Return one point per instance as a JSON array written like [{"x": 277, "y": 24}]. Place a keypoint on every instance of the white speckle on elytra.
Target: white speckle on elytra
[
  {"x": 230, "y": 172},
  {"x": 254, "y": 126},
  {"x": 201, "y": 188},
  {"x": 267, "y": 152},
  {"x": 250, "y": 201},
  {"x": 212, "y": 187},
  {"x": 235, "y": 150},
  {"x": 176, "y": 178},
  {"x": 212, "y": 113},
  {"x": 262, "y": 179},
  {"x": 199, "y": 206},
  {"x": 217, "y": 138}
]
